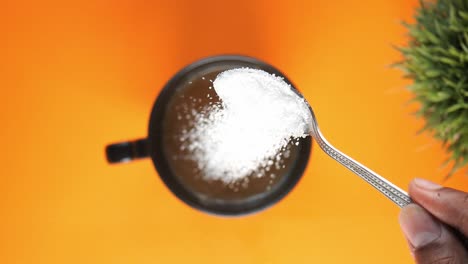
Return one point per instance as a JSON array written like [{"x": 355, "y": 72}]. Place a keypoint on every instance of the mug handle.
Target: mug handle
[{"x": 127, "y": 151}]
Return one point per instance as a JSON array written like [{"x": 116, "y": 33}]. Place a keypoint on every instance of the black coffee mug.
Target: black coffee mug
[{"x": 153, "y": 145}]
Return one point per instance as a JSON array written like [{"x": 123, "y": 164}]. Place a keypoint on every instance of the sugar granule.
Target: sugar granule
[{"x": 247, "y": 133}]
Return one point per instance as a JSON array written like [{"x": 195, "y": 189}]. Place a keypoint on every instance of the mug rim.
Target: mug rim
[{"x": 155, "y": 143}]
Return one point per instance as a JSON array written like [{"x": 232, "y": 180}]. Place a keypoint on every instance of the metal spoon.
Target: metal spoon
[{"x": 391, "y": 191}]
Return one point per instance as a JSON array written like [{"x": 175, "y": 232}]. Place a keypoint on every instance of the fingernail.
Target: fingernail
[
  {"x": 419, "y": 227},
  {"x": 425, "y": 184}
]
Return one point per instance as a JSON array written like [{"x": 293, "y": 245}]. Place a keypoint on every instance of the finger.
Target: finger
[
  {"x": 446, "y": 204},
  {"x": 430, "y": 241}
]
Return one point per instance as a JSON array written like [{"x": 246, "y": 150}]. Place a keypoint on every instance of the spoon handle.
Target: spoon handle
[{"x": 387, "y": 188}]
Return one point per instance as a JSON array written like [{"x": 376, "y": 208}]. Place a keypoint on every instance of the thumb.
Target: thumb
[{"x": 429, "y": 240}]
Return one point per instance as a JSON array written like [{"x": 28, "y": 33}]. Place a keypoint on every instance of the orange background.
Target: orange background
[{"x": 78, "y": 75}]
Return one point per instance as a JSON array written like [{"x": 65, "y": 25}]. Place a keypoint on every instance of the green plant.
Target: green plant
[{"x": 436, "y": 59}]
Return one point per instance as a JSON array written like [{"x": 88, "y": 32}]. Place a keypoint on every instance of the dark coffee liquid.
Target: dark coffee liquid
[{"x": 195, "y": 95}]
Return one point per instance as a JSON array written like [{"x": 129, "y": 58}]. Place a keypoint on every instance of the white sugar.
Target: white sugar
[{"x": 246, "y": 134}]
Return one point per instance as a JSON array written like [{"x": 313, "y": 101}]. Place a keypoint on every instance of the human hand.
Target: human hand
[{"x": 425, "y": 226}]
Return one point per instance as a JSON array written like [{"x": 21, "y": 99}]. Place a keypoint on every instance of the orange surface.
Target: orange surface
[{"x": 81, "y": 74}]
